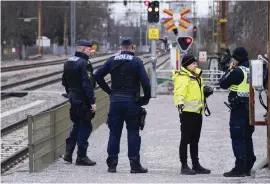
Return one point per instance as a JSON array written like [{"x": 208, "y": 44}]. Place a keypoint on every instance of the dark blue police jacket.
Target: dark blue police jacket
[
  {"x": 126, "y": 78},
  {"x": 76, "y": 81},
  {"x": 235, "y": 77}
]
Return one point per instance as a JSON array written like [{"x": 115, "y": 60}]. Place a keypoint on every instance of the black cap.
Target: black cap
[
  {"x": 84, "y": 43},
  {"x": 240, "y": 54},
  {"x": 188, "y": 59},
  {"x": 126, "y": 42}
]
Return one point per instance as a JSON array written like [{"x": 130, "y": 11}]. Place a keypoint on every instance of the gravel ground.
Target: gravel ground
[
  {"x": 14, "y": 142},
  {"x": 159, "y": 152},
  {"x": 51, "y": 96}
]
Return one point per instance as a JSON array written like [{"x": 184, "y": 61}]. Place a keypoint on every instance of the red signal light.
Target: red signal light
[
  {"x": 188, "y": 40},
  {"x": 184, "y": 42},
  {"x": 146, "y": 3},
  {"x": 194, "y": 29}
]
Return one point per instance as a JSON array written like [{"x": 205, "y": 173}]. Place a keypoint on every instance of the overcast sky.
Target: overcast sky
[
  {"x": 202, "y": 7},
  {"x": 119, "y": 8}
]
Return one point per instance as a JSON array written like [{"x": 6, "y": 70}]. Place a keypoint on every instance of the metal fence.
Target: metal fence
[
  {"x": 48, "y": 131},
  {"x": 210, "y": 77}
]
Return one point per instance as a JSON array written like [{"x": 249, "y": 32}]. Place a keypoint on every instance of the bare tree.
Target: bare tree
[
  {"x": 90, "y": 16},
  {"x": 248, "y": 25}
]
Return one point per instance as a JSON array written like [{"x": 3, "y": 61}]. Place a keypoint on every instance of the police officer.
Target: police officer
[
  {"x": 79, "y": 84},
  {"x": 236, "y": 79},
  {"x": 127, "y": 72},
  {"x": 189, "y": 98}
]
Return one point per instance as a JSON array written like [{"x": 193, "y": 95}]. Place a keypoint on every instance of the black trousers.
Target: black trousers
[{"x": 191, "y": 125}]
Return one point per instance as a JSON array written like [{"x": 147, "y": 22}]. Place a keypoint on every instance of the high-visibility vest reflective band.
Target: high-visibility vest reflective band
[
  {"x": 193, "y": 106},
  {"x": 243, "y": 88}
]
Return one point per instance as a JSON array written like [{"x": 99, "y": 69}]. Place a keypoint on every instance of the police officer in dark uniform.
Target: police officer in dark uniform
[
  {"x": 79, "y": 84},
  {"x": 236, "y": 79},
  {"x": 127, "y": 73}
]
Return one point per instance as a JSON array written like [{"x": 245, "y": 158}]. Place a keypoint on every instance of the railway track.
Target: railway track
[
  {"x": 5, "y": 95},
  {"x": 41, "y": 64},
  {"x": 48, "y": 63},
  {"x": 17, "y": 133},
  {"x": 34, "y": 79}
]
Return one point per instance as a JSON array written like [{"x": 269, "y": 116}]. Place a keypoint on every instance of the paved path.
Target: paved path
[{"x": 159, "y": 152}]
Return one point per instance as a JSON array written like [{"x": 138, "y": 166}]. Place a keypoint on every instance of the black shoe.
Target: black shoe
[
  {"x": 200, "y": 170},
  {"x": 139, "y": 170},
  {"x": 68, "y": 157},
  {"x": 112, "y": 169},
  {"x": 186, "y": 170},
  {"x": 249, "y": 165},
  {"x": 234, "y": 173},
  {"x": 247, "y": 173},
  {"x": 85, "y": 161}
]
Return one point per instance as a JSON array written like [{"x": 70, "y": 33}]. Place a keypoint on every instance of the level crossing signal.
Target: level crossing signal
[
  {"x": 194, "y": 31},
  {"x": 184, "y": 42},
  {"x": 153, "y": 11}
]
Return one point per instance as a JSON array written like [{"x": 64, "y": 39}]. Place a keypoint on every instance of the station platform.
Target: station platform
[{"x": 159, "y": 151}]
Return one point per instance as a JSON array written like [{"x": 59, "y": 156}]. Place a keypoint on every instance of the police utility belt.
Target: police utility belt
[
  {"x": 142, "y": 113},
  {"x": 85, "y": 110},
  {"x": 235, "y": 102}
]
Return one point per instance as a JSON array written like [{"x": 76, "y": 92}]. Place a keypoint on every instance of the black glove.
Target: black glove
[
  {"x": 180, "y": 108},
  {"x": 207, "y": 90},
  {"x": 65, "y": 95},
  {"x": 225, "y": 62},
  {"x": 144, "y": 100}
]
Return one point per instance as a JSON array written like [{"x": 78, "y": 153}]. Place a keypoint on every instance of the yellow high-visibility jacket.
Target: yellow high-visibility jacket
[
  {"x": 243, "y": 88},
  {"x": 188, "y": 90}
]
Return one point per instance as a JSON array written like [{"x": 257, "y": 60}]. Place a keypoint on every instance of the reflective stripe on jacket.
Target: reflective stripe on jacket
[
  {"x": 243, "y": 88},
  {"x": 188, "y": 90}
]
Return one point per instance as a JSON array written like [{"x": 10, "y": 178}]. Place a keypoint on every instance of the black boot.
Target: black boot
[
  {"x": 234, "y": 173},
  {"x": 112, "y": 162},
  {"x": 85, "y": 161},
  {"x": 186, "y": 170},
  {"x": 136, "y": 166},
  {"x": 249, "y": 165},
  {"x": 247, "y": 173},
  {"x": 68, "y": 157},
  {"x": 139, "y": 170},
  {"x": 199, "y": 169},
  {"x": 112, "y": 169}
]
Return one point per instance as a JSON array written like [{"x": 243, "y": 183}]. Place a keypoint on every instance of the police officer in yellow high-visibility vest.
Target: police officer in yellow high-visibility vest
[
  {"x": 236, "y": 79},
  {"x": 189, "y": 98}
]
